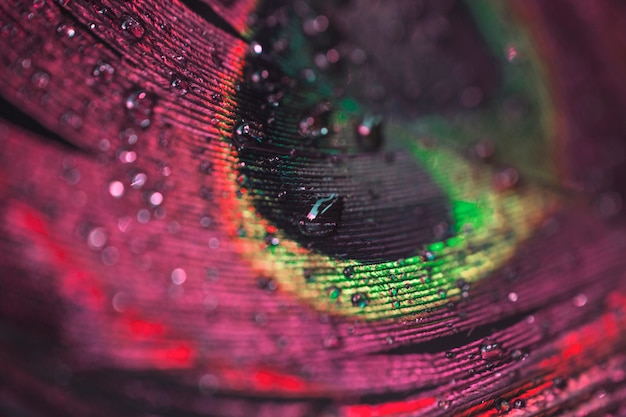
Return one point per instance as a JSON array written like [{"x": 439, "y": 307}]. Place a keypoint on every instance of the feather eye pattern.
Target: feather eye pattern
[{"x": 312, "y": 208}]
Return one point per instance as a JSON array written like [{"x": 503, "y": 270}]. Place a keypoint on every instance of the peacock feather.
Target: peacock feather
[{"x": 312, "y": 208}]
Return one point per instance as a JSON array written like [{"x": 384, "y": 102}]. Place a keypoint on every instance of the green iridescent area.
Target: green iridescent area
[{"x": 488, "y": 222}]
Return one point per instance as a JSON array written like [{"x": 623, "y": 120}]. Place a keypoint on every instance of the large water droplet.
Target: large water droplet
[
  {"x": 139, "y": 105},
  {"x": 323, "y": 218},
  {"x": 132, "y": 27},
  {"x": 369, "y": 133},
  {"x": 490, "y": 351}
]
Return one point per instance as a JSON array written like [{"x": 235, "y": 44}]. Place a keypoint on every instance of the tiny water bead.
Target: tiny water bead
[
  {"x": 155, "y": 199},
  {"x": 178, "y": 276},
  {"x": 246, "y": 134},
  {"x": 518, "y": 355},
  {"x": 180, "y": 86},
  {"x": 116, "y": 189},
  {"x": 139, "y": 107},
  {"x": 359, "y": 299},
  {"x": 316, "y": 122},
  {"x": 502, "y": 405},
  {"x": 138, "y": 180},
  {"x": 323, "y": 218},
  {"x": 97, "y": 238},
  {"x": 369, "y": 133},
  {"x": 40, "y": 79},
  {"x": 103, "y": 72},
  {"x": 267, "y": 284},
  {"x": 127, "y": 157},
  {"x": 66, "y": 30},
  {"x": 333, "y": 292}
]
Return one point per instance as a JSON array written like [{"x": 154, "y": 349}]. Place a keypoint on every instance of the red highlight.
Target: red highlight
[
  {"x": 34, "y": 223},
  {"x": 180, "y": 355},
  {"x": 143, "y": 328},
  {"x": 388, "y": 409},
  {"x": 270, "y": 380}
]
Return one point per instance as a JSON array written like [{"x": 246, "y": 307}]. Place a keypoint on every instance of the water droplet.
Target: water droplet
[
  {"x": 143, "y": 216},
  {"x": 502, "y": 405},
  {"x": 103, "y": 72},
  {"x": 132, "y": 27},
  {"x": 242, "y": 180},
  {"x": 359, "y": 299},
  {"x": 97, "y": 238},
  {"x": 155, "y": 199},
  {"x": 348, "y": 271},
  {"x": 518, "y": 355},
  {"x": 323, "y": 218},
  {"x": 450, "y": 355},
  {"x": 490, "y": 351},
  {"x": 66, "y": 30},
  {"x": 247, "y": 133},
  {"x": 513, "y": 297},
  {"x": 206, "y": 221},
  {"x": 139, "y": 180},
  {"x": 71, "y": 119},
  {"x": 139, "y": 106},
  {"x": 506, "y": 179},
  {"x": 559, "y": 383},
  {"x": 580, "y": 300},
  {"x": 267, "y": 284},
  {"x": 484, "y": 149},
  {"x": 333, "y": 292},
  {"x": 259, "y": 76},
  {"x": 116, "y": 189},
  {"x": 519, "y": 403},
  {"x": 178, "y": 276},
  {"x": 127, "y": 157},
  {"x": 40, "y": 79},
  {"x": 110, "y": 256},
  {"x": 369, "y": 133},
  {"x": 180, "y": 85},
  {"x": 511, "y": 53},
  {"x": 316, "y": 122},
  {"x": 120, "y": 302},
  {"x": 256, "y": 48},
  {"x": 444, "y": 404},
  {"x": 129, "y": 135}
]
